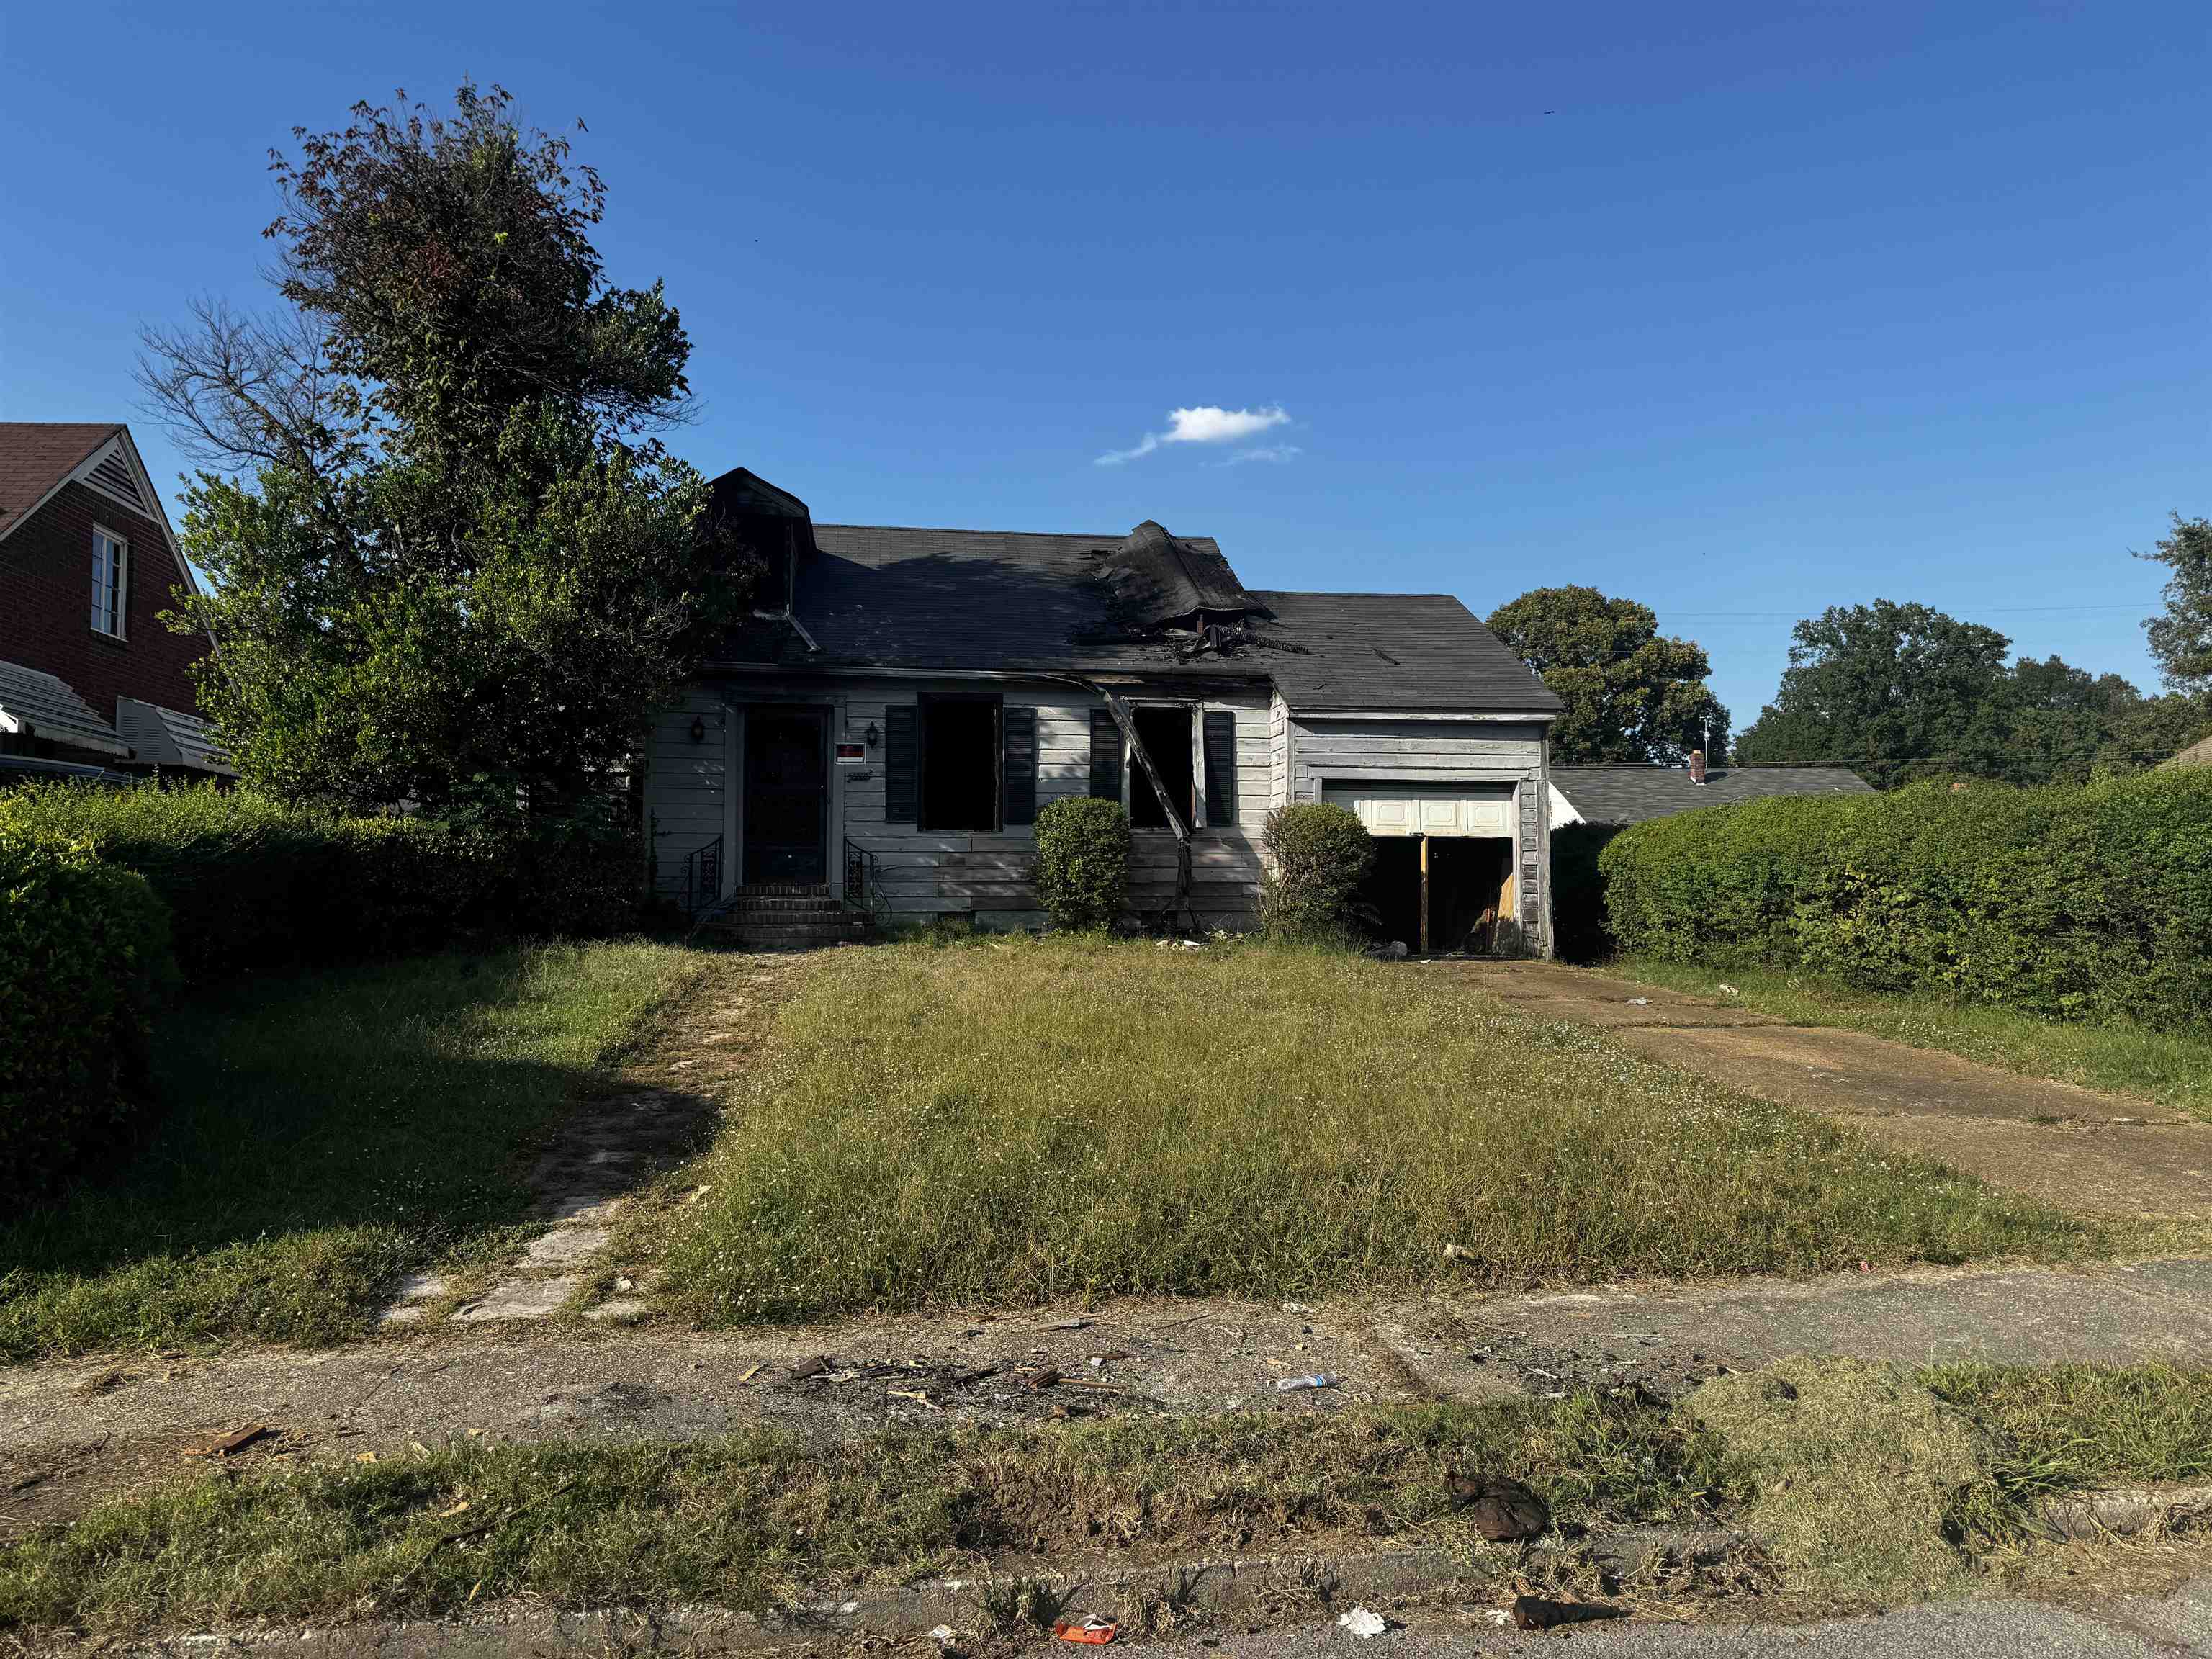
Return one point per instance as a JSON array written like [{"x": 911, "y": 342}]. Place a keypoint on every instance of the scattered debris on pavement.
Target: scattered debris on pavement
[
  {"x": 1363, "y": 1623},
  {"x": 1093, "y": 1630},
  {"x": 236, "y": 1441},
  {"x": 1504, "y": 1511}
]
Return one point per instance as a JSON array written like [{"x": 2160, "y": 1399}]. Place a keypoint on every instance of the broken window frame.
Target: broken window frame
[{"x": 1133, "y": 778}]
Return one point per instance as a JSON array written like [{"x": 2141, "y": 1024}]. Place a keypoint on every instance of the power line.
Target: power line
[{"x": 1991, "y": 610}]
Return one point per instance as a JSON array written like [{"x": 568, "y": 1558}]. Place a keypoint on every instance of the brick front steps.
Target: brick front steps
[{"x": 786, "y": 916}]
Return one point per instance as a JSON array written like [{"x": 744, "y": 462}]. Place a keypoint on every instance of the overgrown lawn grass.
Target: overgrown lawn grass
[
  {"x": 321, "y": 1137},
  {"x": 1016, "y": 1120},
  {"x": 2171, "y": 1068}
]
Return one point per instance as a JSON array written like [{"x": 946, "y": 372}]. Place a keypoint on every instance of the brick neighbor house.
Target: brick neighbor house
[{"x": 92, "y": 682}]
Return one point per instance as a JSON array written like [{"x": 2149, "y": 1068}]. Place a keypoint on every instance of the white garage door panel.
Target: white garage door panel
[{"x": 1427, "y": 809}]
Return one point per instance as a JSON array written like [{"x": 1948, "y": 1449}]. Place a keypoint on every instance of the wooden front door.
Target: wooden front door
[{"x": 786, "y": 818}]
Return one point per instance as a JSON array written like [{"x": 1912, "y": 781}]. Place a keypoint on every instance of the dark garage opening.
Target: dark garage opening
[
  {"x": 1468, "y": 892},
  {"x": 959, "y": 764},
  {"x": 1166, "y": 734}
]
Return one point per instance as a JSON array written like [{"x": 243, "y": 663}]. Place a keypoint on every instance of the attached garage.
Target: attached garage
[{"x": 1442, "y": 877}]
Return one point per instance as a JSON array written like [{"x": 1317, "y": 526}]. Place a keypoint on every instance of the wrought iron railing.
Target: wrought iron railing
[
  {"x": 864, "y": 891},
  {"x": 703, "y": 876}
]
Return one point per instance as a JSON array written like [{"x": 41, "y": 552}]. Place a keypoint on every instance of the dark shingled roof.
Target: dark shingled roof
[
  {"x": 890, "y": 597},
  {"x": 1631, "y": 795},
  {"x": 1398, "y": 651}
]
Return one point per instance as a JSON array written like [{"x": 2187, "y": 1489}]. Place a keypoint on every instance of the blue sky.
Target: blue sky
[{"x": 1740, "y": 310}]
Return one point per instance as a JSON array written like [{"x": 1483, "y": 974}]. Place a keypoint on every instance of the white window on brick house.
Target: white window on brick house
[{"x": 111, "y": 581}]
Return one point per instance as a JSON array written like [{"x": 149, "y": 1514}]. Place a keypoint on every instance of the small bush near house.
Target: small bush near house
[
  {"x": 82, "y": 946},
  {"x": 256, "y": 886},
  {"x": 1083, "y": 861},
  {"x": 2091, "y": 902},
  {"x": 1318, "y": 856}
]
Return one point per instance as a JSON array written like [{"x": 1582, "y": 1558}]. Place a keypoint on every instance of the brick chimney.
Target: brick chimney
[{"x": 1698, "y": 766}]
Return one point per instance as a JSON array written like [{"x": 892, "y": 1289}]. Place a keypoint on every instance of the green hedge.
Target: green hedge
[
  {"x": 1318, "y": 856},
  {"x": 253, "y": 886},
  {"x": 82, "y": 947},
  {"x": 2091, "y": 902},
  {"x": 1083, "y": 861}
]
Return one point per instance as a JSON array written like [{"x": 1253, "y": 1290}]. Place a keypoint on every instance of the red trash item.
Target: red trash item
[{"x": 1093, "y": 1630}]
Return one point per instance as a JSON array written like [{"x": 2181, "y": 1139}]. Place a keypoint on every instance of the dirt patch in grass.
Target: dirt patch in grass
[
  {"x": 323, "y": 1137},
  {"x": 1021, "y": 1121}
]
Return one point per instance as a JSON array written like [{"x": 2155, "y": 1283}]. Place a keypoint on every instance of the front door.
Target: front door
[{"x": 786, "y": 795}]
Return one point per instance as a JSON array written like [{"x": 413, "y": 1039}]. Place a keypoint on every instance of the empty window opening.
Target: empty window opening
[
  {"x": 960, "y": 763},
  {"x": 1166, "y": 735}
]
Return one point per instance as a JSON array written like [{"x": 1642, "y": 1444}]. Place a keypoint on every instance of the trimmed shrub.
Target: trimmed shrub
[
  {"x": 254, "y": 886},
  {"x": 1318, "y": 856},
  {"x": 2087, "y": 903},
  {"x": 1083, "y": 861},
  {"x": 82, "y": 947}
]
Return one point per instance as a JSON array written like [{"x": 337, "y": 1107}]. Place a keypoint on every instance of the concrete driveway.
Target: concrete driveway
[{"x": 2071, "y": 1146}]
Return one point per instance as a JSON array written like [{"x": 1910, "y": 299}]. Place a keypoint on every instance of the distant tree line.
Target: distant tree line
[{"x": 1893, "y": 691}]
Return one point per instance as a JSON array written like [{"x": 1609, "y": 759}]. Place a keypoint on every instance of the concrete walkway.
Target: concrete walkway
[
  {"x": 73, "y": 1431},
  {"x": 2071, "y": 1146}
]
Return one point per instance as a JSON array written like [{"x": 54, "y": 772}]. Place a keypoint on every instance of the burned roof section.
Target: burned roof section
[
  {"x": 1155, "y": 580},
  {"x": 888, "y": 597}
]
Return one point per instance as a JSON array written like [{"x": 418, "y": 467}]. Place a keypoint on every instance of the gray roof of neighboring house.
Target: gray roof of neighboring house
[
  {"x": 1631, "y": 795},
  {"x": 891, "y": 597},
  {"x": 2198, "y": 754}
]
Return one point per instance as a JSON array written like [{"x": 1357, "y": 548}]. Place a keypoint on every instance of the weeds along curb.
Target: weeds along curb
[{"x": 1275, "y": 1585}]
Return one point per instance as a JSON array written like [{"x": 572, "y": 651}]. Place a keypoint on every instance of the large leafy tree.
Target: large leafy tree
[
  {"x": 449, "y": 561},
  {"x": 1631, "y": 694},
  {"x": 1892, "y": 691},
  {"x": 2181, "y": 637}
]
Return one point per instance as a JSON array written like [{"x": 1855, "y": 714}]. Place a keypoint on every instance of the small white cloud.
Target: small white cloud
[
  {"x": 1278, "y": 454},
  {"x": 1208, "y": 423}
]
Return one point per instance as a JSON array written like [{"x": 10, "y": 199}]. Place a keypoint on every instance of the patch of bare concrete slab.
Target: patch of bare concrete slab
[{"x": 2076, "y": 1148}]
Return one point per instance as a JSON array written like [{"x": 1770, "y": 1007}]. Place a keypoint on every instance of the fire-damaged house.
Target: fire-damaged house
[{"x": 875, "y": 741}]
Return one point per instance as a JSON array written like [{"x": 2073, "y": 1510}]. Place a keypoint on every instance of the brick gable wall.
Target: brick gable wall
[{"x": 46, "y": 605}]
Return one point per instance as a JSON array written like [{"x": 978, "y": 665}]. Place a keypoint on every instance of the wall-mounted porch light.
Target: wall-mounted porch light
[
  {"x": 871, "y": 735},
  {"x": 698, "y": 728}
]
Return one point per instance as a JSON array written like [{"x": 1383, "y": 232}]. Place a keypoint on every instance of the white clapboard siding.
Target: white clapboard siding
[
  {"x": 1321, "y": 751},
  {"x": 989, "y": 875}
]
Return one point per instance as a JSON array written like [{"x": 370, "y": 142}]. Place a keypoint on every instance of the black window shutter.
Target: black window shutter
[
  {"x": 1220, "y": 767},
  {"x": 900, "y": 794},
  {"x": 1017, "y": 736},
  {"x": 1105, "y": 755}
]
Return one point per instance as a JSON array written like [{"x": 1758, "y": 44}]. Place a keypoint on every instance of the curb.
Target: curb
[
  {"x": 1265, "y": 1583},
  {"x": 1270, "y": 1584},
  {"x": 2122, "y": 1512}
]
